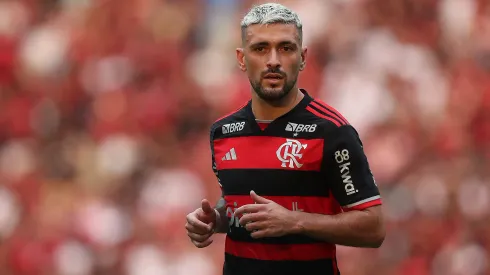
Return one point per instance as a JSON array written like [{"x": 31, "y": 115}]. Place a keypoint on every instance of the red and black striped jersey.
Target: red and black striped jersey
[{"x": 310, "y": 159}]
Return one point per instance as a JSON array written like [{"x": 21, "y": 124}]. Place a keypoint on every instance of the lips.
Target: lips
[{"x": 273, "y": 76}]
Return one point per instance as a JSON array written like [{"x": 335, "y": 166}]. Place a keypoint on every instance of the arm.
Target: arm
[
  {"x": 358, "y": 228},
  {"x": 353, "y": 187}
]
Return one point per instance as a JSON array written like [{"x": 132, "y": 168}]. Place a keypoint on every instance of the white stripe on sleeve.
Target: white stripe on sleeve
[{"x": 363, "y": 201}]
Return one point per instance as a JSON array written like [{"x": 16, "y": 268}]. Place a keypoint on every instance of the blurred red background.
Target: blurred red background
[{"x": 105, "y": 109}]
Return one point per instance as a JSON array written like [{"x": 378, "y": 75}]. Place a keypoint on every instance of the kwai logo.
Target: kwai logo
[{"x": 342, "y": 158}]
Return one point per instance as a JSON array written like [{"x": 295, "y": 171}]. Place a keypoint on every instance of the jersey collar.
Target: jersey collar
[{"x": 300, "y": 106}]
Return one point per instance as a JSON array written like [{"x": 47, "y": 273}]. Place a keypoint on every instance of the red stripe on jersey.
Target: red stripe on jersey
[
  {"x": 311, "y": 110},
  {"x": 263, "y": 125},
  {"x": 309, "y": 204},
  {"x": 328, "y": 109},
  {"x": 363, "y": 206},
  {"x": 265, "y": 152},
  {"x": 280, "y": 252},
  {"x": 231, "y": 113},
  {"x": 329, "y": 112}
]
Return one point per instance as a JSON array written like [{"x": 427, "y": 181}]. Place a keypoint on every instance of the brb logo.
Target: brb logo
[
  {"x": 290, "y": 152},
  {"x": 298, "y": 128},
  {"x": 233, "y": 127}
]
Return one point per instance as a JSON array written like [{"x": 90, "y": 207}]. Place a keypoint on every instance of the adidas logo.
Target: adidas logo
[{"x": 231, "y": 155}]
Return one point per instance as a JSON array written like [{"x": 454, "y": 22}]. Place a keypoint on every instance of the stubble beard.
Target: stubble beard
[{"x": 273, "y": 95}]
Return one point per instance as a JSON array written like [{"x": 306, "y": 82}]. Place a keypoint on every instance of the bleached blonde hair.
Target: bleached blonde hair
[{"x": 271, "y": 13}]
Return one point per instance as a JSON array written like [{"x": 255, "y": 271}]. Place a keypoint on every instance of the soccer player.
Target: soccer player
[{"x": 294, "y": 178}]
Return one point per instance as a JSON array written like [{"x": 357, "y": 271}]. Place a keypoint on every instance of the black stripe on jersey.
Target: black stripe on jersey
[
  {"x": 336, "y": 118},
  {"x": 242, "y": 235},
  {"x": 243, "y": 266},
  {"x": 328, "y": 108},
  {"x": 274, "y": 182}
]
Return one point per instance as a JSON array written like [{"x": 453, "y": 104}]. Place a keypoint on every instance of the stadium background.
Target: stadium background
[{"x": 105, "y": 107}]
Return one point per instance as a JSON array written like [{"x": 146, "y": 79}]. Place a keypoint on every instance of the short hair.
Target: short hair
[{"x": 271, "y": 13}]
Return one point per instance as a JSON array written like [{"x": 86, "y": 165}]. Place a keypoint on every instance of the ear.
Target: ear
[
  {"x": 304, "y": 53},
  {"x": 240, "y": 56}
]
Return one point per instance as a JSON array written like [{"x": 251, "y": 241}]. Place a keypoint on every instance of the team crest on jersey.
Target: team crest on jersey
[{"x": 290, "y": 153}]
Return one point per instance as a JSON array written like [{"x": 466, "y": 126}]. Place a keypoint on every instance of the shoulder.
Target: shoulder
[
  {"x": 330, "y": 123},
  {"x": 230, "y": 121},
  {"x": 325, "y": 116}
]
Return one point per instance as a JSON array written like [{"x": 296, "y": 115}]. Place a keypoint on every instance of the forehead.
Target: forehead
[{"x": 271, "y": 33}]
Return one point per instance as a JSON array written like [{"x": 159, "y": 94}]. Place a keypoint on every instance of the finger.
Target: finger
[
  {"x": 198, "y": 237},
  {"x": 206, "y": 207},
  {"x": 258, "y": 199},
  {"x": 206, "y": 217},
  {"x": 249, "y": 208},
  {"x": 200, "y": 230},
  {"x": 203, "y": 244},
  {"x": 256, "y": 226},
  {"x": 252, "y": 217},
  {"x": 198, "y": 225},
  {"x": 258, "y": 234},
  {"x": 197, "y": 230}
]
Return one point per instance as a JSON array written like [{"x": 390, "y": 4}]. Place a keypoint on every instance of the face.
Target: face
[{"x": 272, "y": 57}]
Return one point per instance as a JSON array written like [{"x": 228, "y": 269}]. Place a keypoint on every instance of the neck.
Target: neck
[{"x": 265, "y": 110}]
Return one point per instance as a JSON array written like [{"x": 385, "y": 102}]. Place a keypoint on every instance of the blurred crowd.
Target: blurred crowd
[{"x": 105, "y": 109}]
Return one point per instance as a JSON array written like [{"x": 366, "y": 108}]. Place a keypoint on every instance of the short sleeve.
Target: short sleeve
[{"x": 350, "y": 178}]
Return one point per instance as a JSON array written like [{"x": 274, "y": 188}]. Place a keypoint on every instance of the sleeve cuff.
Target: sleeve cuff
[{"x": 363, "y": 204}]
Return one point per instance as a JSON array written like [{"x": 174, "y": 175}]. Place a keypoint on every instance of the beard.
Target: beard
[{"x": 273, "y": 94}]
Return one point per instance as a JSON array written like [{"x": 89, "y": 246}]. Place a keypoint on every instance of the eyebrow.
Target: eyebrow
[{"x": 264, "y": 43}]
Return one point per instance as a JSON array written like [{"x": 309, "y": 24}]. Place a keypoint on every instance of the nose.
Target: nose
[{"x": 273, "y": 62}]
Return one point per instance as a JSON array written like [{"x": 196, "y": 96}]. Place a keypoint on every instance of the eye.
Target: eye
[
  {"x": 287, "y": 48},
  {"x": 259, "y": 49}
]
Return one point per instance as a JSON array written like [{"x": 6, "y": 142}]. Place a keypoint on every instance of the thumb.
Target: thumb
[
  {"x": 258, "y": 199},
  {"x": 206, "y": 207}
]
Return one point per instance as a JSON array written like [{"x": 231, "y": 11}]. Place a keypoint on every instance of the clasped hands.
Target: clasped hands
[{"x": 264, "y": 218}]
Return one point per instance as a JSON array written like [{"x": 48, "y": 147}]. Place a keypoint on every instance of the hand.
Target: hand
[
  {"x": 266, "y": 218},
  {"x": 200, "y": 225}
]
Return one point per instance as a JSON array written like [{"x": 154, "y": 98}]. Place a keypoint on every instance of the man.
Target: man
[{"x": 294, "y": 177}]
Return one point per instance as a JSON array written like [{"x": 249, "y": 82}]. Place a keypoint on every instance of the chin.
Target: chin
[{"x": 272, "y": 94}]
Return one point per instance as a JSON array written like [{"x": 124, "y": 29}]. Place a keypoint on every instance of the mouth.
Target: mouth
[{"x": 273, "y": 76}]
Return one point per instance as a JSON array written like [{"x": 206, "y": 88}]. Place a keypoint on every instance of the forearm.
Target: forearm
[
  {"x": 354, "y": 228},
  {"x": 221, "y": 218}
]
